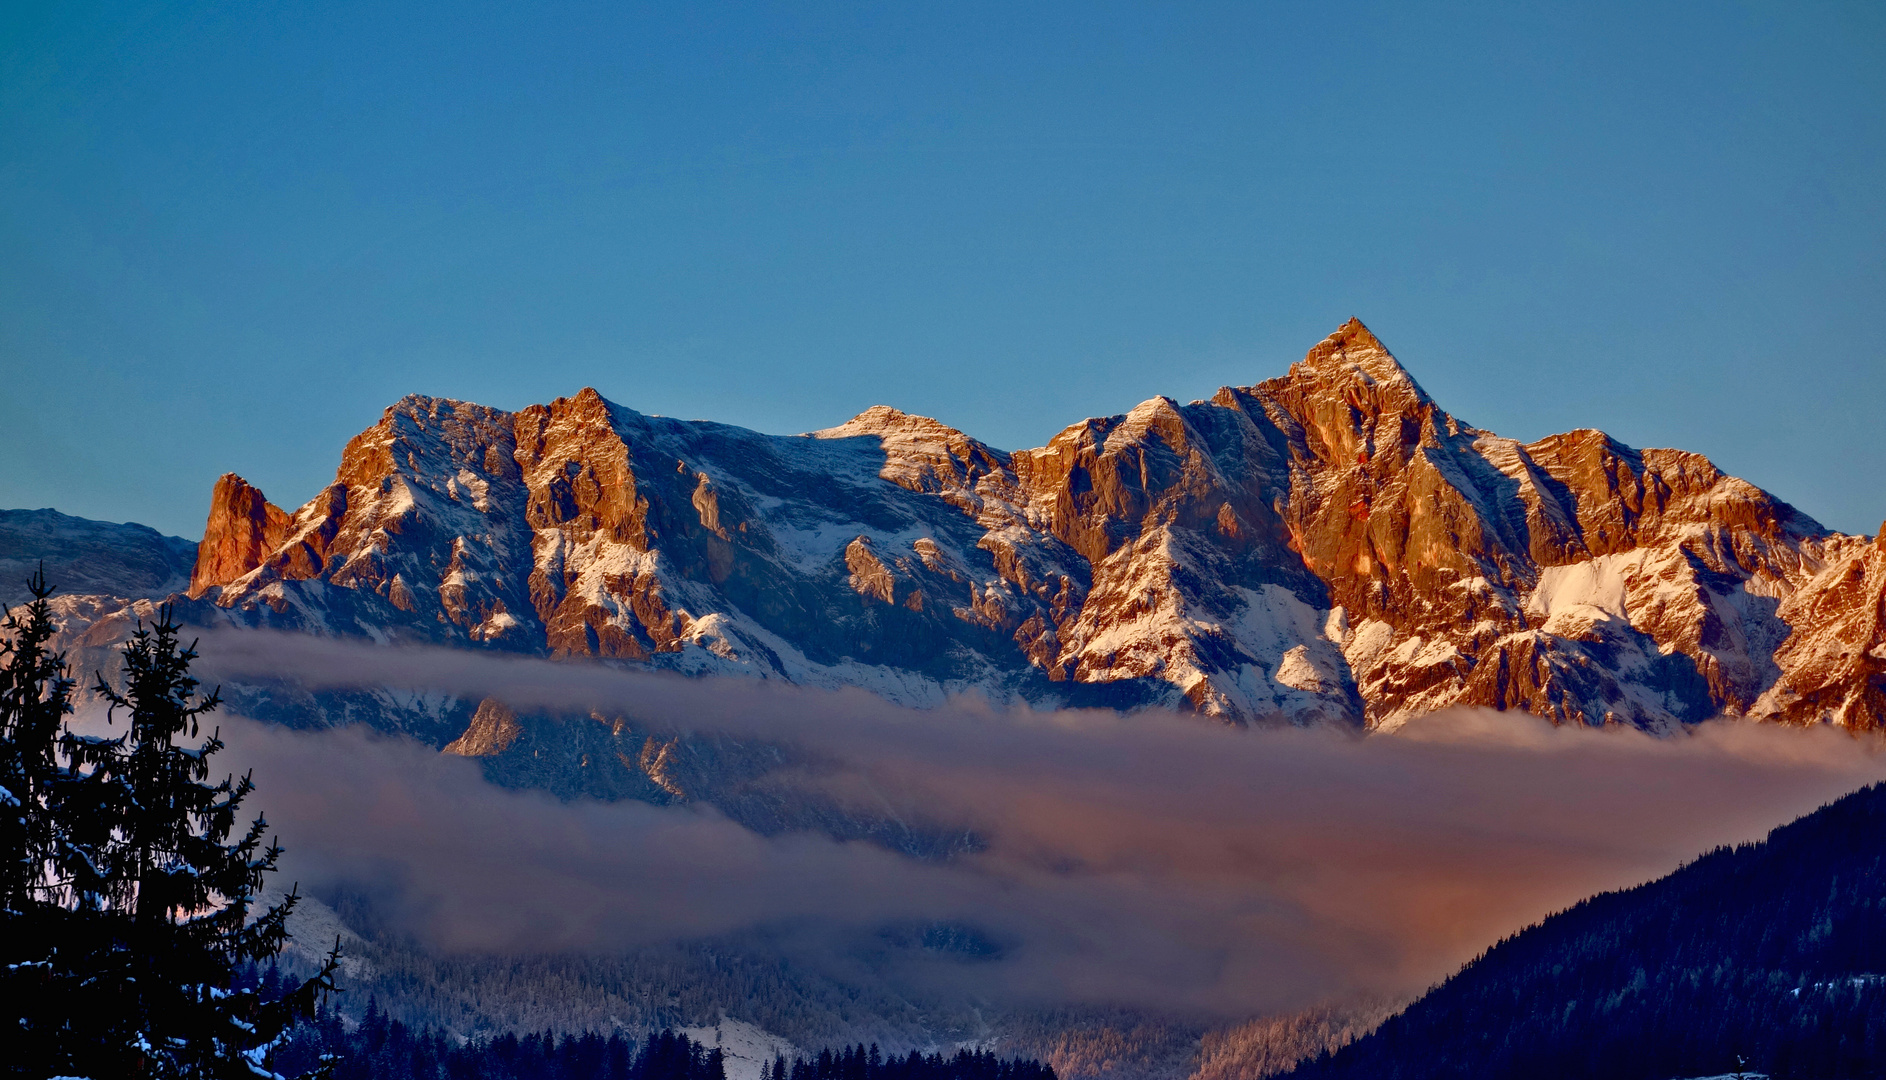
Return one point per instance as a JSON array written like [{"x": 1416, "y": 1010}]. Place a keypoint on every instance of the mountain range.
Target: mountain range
[{"x": 1326, "y": 546}]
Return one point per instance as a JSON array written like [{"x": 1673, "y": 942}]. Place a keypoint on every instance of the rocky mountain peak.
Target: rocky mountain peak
[
  {"x": 243, "y": 529},
  {"x": 1328, "y": 544},
  {"x": 889, "y": 423},
  {"x": 1353, "y": 352},
  {"x": 922, "y": 454},
  {"x": 1152, "y": 413},
  {"x": 875, "y": 420}
]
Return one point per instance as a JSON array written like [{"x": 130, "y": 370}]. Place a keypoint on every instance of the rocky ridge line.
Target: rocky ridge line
[{"x": 1326, "y": 545}]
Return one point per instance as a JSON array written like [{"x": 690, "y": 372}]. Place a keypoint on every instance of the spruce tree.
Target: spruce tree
[
  {"x": 35, "y": 696},
  {"x": 138, "y": 907}
]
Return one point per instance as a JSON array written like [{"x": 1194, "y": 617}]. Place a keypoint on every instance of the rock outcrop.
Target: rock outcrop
[
  {"x": 1833, "y": 667},
  {"x": 243, "y": 529},
  {"x": 1329, "y": 545},
  {"x": 493, "y": 729}
]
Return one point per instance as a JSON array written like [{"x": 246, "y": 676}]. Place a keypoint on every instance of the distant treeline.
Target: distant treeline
[
  {"x": 381, "y": 1048},
  {"x": 867, "y": 1063},
  {"x": 643, "y": 989}
]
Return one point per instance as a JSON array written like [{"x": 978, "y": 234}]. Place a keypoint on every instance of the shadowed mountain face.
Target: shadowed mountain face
[
  {"x": 85, "y": 557},
  {"x": 1329, "y": 545}
]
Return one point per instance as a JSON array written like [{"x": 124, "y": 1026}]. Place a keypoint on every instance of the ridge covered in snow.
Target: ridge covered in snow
[
  {"x": 90, "y": 558},
  {"x": 1329, "y": 545}
]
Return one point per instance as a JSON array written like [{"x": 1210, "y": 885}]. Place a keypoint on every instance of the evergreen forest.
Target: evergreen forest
[{"x": 382, "y": 1048}]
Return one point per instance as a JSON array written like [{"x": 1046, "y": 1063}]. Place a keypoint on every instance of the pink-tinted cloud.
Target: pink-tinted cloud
[{"x": 1152, "y": 858}]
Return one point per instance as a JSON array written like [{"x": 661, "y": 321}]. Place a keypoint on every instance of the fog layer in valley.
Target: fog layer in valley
[{"x": 1149, "y": 859}]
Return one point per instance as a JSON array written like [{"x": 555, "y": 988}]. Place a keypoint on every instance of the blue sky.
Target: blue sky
[{"x": 231, "y": 234}]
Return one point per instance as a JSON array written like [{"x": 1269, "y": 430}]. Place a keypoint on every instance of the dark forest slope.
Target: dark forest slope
[{"x": 1774, "y": 950}]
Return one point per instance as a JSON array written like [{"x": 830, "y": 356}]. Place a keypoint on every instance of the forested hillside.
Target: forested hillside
[
  {"x": 672, "y": 984},
  {"x": 1773, "y": 952},
  {"x": 382, "y": 1048}
]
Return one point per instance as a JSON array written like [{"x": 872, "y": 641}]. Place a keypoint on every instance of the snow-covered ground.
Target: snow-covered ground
[{"x": 746, "y": 1048}]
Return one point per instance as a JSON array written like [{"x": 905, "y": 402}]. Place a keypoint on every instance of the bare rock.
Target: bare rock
[
  {"x": 243, "y": 529},
  {"x": 493, "y": 729},
  {"x": 1329, "y": 545}
]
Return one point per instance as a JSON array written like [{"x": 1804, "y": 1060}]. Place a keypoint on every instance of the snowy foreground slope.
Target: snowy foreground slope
[{"x": 1330, "y": 545}]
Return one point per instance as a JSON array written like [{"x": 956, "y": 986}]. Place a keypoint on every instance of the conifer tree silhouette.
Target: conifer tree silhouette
[
  {"x": 35, "y": 696},
  {"x": 128, "y": 908}
]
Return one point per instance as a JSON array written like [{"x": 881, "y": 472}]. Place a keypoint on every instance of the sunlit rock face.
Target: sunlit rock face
[
  {"x": 1330, "y": 545},
  {"x": 243, "y": 530},
  {"x": 1833, "y": 667}
]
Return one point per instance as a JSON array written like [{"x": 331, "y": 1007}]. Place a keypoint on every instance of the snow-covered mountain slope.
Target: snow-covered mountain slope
[
  {"x": 90, "y": 558},
  {"x": 748, "y": 1051},
  {"x": 1327, "y": 545}
]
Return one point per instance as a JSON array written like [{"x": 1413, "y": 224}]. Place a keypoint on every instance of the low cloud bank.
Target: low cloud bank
[{"x": 1151, "y": 858}]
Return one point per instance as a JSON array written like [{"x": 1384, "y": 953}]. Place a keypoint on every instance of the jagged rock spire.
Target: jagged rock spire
[{"x": 242, "y": 530}]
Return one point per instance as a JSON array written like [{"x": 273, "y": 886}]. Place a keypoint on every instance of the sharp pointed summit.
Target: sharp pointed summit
[
  {"x": 1326, "y": 546},
  {"x": 1354, "y": 349}
]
